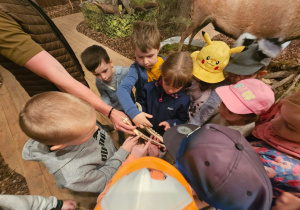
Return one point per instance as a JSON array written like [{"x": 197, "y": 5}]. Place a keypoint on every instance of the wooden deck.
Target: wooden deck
[{"x": 12, "y": 139}]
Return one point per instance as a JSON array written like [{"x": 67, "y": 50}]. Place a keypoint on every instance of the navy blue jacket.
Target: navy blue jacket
[{"x": 171, "y": 108}]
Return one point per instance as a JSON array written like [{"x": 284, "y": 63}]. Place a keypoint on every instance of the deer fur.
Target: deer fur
[{"x": 278, "y": 20}]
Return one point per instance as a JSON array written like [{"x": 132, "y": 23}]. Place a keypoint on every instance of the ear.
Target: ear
[
  {"x": 206, "y": 37},
  {"x": 236, "y": 49},
  {"x": 57, "y": 147},
  {"x": 246, "y": 39},
  {"x": 111, "y": 62},
  {"x": 262, "y": 73}
]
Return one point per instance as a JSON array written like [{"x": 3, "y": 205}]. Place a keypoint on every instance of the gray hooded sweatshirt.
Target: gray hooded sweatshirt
[
  {"x": 86, "y": 167},
  {"x": 27, "y": 202}
]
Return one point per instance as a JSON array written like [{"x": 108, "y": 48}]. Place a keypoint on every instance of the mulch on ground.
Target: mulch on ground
[
  {"x": 120, "y": 45},
  {"x": 62, "y": 10},
  {"x": 10, "y": 181}
]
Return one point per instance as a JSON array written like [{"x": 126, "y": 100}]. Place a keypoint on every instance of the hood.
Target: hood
[{"x": 36, "y": 151}]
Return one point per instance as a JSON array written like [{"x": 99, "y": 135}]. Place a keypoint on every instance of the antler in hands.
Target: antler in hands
[{"x": 137, "y": 132}]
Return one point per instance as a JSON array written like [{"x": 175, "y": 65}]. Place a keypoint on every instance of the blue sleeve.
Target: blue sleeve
[
  {"x": 124, "y": 71},
  {"x": 182, "y": 115},
  {"x": 143, "y": 99},
  {"x": 124, "y": 90},
  {"x": 103, "y": 94}
]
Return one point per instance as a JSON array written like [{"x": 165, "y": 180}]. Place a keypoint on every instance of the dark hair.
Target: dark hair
[
  {"x": 145, "y": 36},
  {"x": 92, "y": 57},
  {"x": 250, "y": 118},
  {"x": 177, "y": 69}
]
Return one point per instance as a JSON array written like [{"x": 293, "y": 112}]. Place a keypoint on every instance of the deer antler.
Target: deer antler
[
  {"x": 137, "y": 132},
  {"x": 150, "y": 130}
]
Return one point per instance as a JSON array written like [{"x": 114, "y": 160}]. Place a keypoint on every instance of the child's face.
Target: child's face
[
  {"x": 286, "y": 122},
  {"x": 230, "y": 116},
  {"x": 169, "y": 89},
  {"x": 148, "y": 59},
  {"x": 105, "y": 71}
]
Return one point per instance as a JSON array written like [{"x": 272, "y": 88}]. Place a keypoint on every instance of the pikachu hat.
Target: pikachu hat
[{"x": 210, "y": 61}]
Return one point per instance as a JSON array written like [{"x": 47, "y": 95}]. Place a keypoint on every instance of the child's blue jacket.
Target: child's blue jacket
[
  {"x": 137, "y": 77},
  {"x": 171, "y": 108}
]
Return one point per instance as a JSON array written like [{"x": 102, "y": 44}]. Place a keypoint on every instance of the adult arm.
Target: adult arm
[{"x": 53, "y": 71}]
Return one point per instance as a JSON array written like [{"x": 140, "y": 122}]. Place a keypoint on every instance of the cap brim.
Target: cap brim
[
  {"x": 174, "y": 136},
  {"x": 206, "y": 76},
  {"x": 242, "y": 70},
  {"x": 231, "y": 101}
]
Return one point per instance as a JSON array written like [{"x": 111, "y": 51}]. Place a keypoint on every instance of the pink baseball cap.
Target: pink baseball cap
[{"x": 247, "y": 96}]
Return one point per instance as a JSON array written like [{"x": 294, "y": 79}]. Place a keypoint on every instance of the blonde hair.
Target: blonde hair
[
  {"x": 177, "y": 69},
  {"x": 54, "y": 118},
  {"x": 145, "y": 36}
]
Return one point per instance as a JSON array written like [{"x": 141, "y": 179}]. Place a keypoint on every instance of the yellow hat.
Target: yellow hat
[{"x": 210, "y": 61}]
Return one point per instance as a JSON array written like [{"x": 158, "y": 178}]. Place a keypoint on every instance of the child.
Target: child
[
  {"x": 209, "y": 63},
  {"x": 12, "y": 202},
  {"x": 250, "y": 63},
  {"x": 108, "y": 77},
  {"x": 65, "y": 137},
  {"x": 164, "y": 99},
  {"x": 220, "y": 165},
  {"x": 276, "y": 138},
  {"x": 242, "y": 104},
  {"x": 145, "y": 40}
]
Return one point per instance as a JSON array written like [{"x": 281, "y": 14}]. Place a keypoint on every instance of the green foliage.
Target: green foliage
[
  {"x": 170, "y": 48},
  {"x": 114, "y": 25},
  {"x": 139, "y": 2}
]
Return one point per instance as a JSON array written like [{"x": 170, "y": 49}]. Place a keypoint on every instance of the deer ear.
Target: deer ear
[
  {"x": 206, "y": 37},
  {"x": 269, "y": 48},
  {"x": 236, "y": 49}
]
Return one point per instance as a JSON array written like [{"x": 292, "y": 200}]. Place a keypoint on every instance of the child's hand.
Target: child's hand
[
  {"x": 165, "y": 124},
  {"x": 287, "y": 201},
  {"x": 141, "y": 120},
  {"x": 130, "y": 142},
  {"x": 68, "y": 205},
  {"x": 140, "y": 150},
  {"x": 153, "y": 149}
]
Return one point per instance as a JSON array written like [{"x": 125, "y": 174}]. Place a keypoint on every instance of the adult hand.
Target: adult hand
[
  {"x": 140, "y": 150},
  {"x": 141, "y": 120},
  {"x": 165, "y": 124},
  {"x": 130, "y": 142},
  {"x": 117, "y": 119},
  {"x": 68, "y": 205}
]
